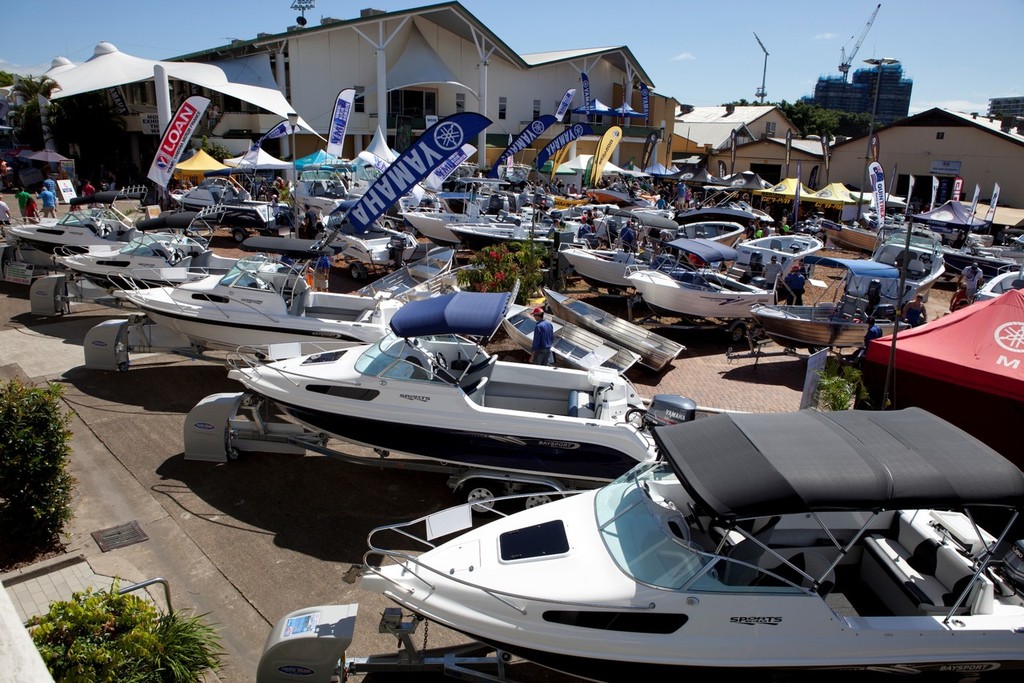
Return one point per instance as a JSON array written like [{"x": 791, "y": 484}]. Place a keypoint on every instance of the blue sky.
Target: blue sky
[{"x": 959, "y": 54}]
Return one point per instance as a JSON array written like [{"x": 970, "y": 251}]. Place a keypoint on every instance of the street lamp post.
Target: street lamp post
[
  {"x": 878, "y": 62},
  {"x": 293, "y": 121}
]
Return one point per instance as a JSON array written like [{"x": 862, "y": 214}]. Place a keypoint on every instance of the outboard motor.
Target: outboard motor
[
  {"x": 1013, "y": 565},
  {"x": 668, "y": 409}
]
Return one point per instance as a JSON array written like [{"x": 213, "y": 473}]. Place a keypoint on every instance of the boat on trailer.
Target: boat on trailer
[{"x": 813, "y": 543}]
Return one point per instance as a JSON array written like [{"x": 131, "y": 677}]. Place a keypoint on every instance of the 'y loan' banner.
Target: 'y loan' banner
[
  {"x": 428, "y": 152},
  {"x": 175, "y": 139}
]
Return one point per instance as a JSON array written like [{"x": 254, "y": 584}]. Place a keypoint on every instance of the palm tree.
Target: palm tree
[{"x": 25, "y": 117}]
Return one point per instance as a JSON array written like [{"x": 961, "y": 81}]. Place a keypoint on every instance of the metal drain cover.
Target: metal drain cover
[{"x": 119, "y": 536}]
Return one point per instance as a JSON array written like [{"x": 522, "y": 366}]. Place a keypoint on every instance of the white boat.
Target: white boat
[
  {"x": 263, "y": 301},
  {"x": 430, "y": 390},
  {"x": 476, "y": 236},
  {"x": 377, "y": 247},
  {"x": 753, "y": 255},
  {"x": 675, "y": 287},
  {"x": 93, "y": 222},
  {"x": 603, "y": 268},
  {"x": 726, "y": 232},
  {"x": 148, "y": 260},
  {"x": 324, "y": 189},
  {"x": 1009, "y": 279},
  {"x": 237, "y": 208},
  {"x": 655, "y": 351},
  {"x": 435, "y": 264},
  {"x": 924, "y": 265},
  {"x": 810, "y": 543},
  {"x": 850, "y": 237},
  {"x": 574, "y": 346}
]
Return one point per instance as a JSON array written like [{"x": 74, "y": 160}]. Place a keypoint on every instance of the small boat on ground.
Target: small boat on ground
[
  {"x": 574, "y": 347},
  {"x": 436, "y": 263},
  {"x": 655, "y": 351},
  {"x": 726, "y": 232},
  {"x": 809, "y": 543},
  {"x": 840, "y": 321},
  {"x": 850, "y": 237},
  {"x": 924, "y": 265},
  {"x": 430, "y": 390},
  {"x": 1008, "y": 280},
  {"x": 237, "y": 207},
  {"x": 754, "y": 254},
  {"x": 990, "y": 264}
]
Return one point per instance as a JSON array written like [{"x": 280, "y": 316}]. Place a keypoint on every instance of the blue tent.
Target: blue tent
[
  {"x": 317, "y": 158},
  {"x": 597, "y": 108}
]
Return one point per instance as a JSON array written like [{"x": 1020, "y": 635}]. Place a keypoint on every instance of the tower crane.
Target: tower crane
[
  {"x": 847, "y": 59},
  {"x": 761, "y": 91}
]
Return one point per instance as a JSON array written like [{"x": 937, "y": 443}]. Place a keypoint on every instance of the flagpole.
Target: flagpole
[{"x": 293, "y": 120}]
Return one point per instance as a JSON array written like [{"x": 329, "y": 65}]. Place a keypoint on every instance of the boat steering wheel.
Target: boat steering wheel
[{"x": 442, "y": 362}]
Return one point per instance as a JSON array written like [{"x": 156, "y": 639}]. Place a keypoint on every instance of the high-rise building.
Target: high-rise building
[
  {"x": 858, "y": 96},
  {"x": 1006, "y": 106}
]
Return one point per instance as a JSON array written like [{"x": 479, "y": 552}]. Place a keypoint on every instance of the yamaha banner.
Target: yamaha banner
[
  {"x": 586, "y": 90},
  {"x": 974, "y": 202},
  {"x": 605, "y": 147},
  {"x": 428, "y": 152},
  {"x": 117, "y": 99},
  {"x": 732, "y": 152},
  {"x": 339, "y": 121},
  {"x": 877, "y": 176},
  {"x": 935, "y": 192},
  {"x": 278, "y": 131},
  {"x": 991, "y": 213},
  {"x": 175, "y": 139},
  {"x": 796, "y": 195},
  {"x": 789, "y": 149},
  {"x": 645, "y": 155},
  {"x": 563, "y": 106},
  {"x": 522, "y": 141},
  {"x": 447, "y": 167},
  {"x": 576, "y": 130},
  {"x": 645, "y": 98}
]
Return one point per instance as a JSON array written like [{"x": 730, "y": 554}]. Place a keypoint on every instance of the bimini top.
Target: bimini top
[
  {"x": 475, "y": 314},
  {"x": 753, "y": 465},
  {"x": 860, "y": 267},
  {"x": 708, "y": 250},
  {"x": 168, "y": 220},
  {"x": 105, "y": 197}
]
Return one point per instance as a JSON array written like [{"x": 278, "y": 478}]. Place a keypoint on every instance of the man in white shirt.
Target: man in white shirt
[
  {"x": 971, "y": 276},
  {"x": 5, "y": 213}
]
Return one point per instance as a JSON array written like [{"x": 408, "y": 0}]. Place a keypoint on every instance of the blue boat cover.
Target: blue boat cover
[
  {"x": 860, "y": 267},
  {"x": 475, "y": 314},
  {"x": 708, "y": 250}
]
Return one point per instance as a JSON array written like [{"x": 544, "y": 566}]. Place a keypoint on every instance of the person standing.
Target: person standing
[
  {"x": 5, "y": 213},
  {"x": 87, "y": 188},
  {"x": 50, "y": 184},
  {"x": 543, "y": 339},
  {"x": 772, "y": 271},
  {"x": 22, "y": 195},
  {"x": 971, "y": 277},
  {"x": 795, "y": 283},
  {"x": 914, "y": 312},
  {"x": 48, "y": 199}
]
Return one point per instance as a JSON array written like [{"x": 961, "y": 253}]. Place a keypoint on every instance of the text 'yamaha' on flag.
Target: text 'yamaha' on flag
[
  {"x": 877, "y": 176},
  {"x": 339, "y": 121},
  {"x": 175, "y": 139},
  {"x": 429, "y": 151},
  {"x": 586, "y": 89},
  {"x": 573, "y": 132},
  {"x": 645, "y": 98},
  {"x": 522, "y": 141},
  {"x": 648, "y": 149}
]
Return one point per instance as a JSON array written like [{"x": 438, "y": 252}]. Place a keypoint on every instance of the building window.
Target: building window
[
  {"x": 769, "y": 129},
  {"x": 502, "y": 107},
  {"x": 359, "y": 101},
  {"x": 940, "y": 135},
  {"x": 536, "y": 109},
  {"x": 415, "y": 104},
  {"x": 460, "y": 102}
]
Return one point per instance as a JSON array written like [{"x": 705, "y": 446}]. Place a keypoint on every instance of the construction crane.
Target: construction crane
[
  {"x": 761, "y": 91},
  {"x": 846, "y": 59}
]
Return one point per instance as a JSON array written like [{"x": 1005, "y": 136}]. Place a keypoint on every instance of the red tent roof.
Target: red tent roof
[{"x": 980, "y": 347}]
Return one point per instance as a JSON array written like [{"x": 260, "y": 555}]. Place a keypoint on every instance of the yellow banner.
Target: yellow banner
[
  {"x": 558, "y": 160},
  {"x": 609, "y": 141}
]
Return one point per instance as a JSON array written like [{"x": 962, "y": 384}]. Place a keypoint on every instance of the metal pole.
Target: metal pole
[
  {"x": 871, "y": 127},
  {"x": 293, "y": 120},
  {"x": 890, "y": 367}
]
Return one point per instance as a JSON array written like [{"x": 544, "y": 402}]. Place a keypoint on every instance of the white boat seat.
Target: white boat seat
[
  {"x": 775, "y": 245},
  {"x": 581, "y": 404},
  {"x": 916, "y": 269},
  {"x": 475, "y": 391}
]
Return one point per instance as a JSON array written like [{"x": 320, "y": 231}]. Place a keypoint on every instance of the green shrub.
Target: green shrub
[
  {"x": 104, "y": 636},
  {"x": 498, "y": 268},
  {"x": 838, "y": 386},
  {"x": 35, "y": 486}
]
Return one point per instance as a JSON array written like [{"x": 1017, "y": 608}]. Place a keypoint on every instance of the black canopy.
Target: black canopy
[
  {"x": 168, "y": 220},
  {"x": 752, "y": 465}
]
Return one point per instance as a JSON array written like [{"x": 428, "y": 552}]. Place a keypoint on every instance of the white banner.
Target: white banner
[
  {"x": 991, "y": 213},
  {"x": 440, "y": 174},
  {"x": 339, "y": 121},
  {"x": 878, "y": 189},
  {"x": 175, "y": 139}
]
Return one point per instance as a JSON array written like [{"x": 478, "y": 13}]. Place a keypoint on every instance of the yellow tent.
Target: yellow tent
[
  {"x": 198, "y": 164},
  {"x": 833, "y": 194},
  {"x": 784, "y": 189}
]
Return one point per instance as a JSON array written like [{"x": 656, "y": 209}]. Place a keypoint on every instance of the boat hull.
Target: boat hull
[
  {"x": 668, "y": 297},
  {"x": 852, "y": 238},
  {"x": 813, "y": 327}
]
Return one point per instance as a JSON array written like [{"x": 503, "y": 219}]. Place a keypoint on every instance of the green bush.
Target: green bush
[
  {"x": 498, "y": 268},
  {"x": 838, "y": 386},
  {"x": 104, "y": 636},
  {"x": 35, "y": 486}
]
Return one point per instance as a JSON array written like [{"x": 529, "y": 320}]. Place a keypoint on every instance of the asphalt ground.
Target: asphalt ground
[{"x": 248, "y": 541}]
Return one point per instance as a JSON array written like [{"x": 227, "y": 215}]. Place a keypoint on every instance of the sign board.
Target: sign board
[
  {"x": 940, "y": 167},
  {"x": 150, "y": 123},
  {"x": 67, "y": 168},
  {"x": 815, "y": 364},
  {"x": 20, "y": 273},
  {"x": 429, "y": 120},
  {"x": 67, "y": 190}
]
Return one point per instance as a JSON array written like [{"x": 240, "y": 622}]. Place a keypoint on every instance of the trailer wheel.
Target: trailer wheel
[
  {"x": 239, "y": 235},
  {"x": 737, "y": 332},
  {"x": 482, "y": 496},
  {"x": 358, "y": 271},
  {"x": 232, "y": 454}
]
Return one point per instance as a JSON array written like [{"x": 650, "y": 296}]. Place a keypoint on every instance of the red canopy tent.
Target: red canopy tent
[{"x": 966, "y": 367}]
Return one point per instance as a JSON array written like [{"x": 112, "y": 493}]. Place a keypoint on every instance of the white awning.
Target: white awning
[
  {"x": 109, "y": 67},
  {"x": 264, "y": 162},
  {"x": 418, "y": 64}
]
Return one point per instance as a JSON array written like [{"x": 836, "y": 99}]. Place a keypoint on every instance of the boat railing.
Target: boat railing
[{"x": 449, "y": 522}]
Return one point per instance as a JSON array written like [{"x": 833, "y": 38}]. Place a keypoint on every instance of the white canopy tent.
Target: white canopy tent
[
  {"x": 264, "y": 162},
  {"x": 109, "y": 67},
  {"x": 578, "y": 164}
]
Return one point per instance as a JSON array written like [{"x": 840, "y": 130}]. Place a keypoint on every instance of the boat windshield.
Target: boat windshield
[
  {"x": 395, "y": 357},
  {"x": 146, "y": 245},
  {"x": 647, "y": 539},
  {"x": 255, "y": 272}
]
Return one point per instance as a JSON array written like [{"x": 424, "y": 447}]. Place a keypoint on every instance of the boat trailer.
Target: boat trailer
[
  {"x": 311, "y": 642},
  {"x": 223, "y": 426}
]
